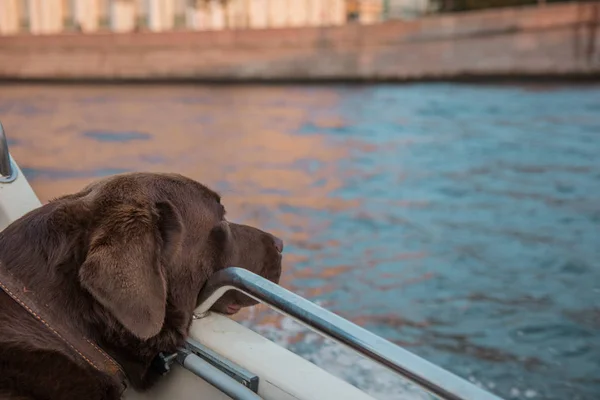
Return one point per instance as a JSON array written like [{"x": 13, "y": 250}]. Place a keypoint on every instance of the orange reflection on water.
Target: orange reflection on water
[
  {"x": 238, "y": 140},
  {"x": 212, "y": 135}
]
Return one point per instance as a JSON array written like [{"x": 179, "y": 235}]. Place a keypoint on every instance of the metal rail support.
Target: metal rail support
[
  {"x": 8, "y": 171},
  {"x": 163, "y": 364},
  {"x": 215, "y": 377},
  {"x": 435, "y": 380}
]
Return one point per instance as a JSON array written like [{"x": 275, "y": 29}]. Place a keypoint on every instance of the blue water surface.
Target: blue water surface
[
  {"x": 476, "y": 239},
  {"x": 459, "y": 221}
]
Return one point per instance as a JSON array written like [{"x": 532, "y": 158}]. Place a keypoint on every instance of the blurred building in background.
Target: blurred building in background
[
  {"x": 43, "y": 16},
  {"x": 409, "y": 9},
  {"x": 55, "y": 16},
  {"x": 259, "y": 14},
  {"x": 364, "y": 11},
  {"x": 9, "y": 20}
]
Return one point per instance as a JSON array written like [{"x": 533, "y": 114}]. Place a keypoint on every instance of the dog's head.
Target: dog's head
[{"x": 152, "y": 242}]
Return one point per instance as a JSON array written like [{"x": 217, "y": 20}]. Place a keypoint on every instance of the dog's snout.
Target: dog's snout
[{"x": 278, "y": 244}]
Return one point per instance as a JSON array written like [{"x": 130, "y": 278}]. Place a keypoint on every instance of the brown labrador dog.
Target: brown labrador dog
[{"x": 122, "y": 263}]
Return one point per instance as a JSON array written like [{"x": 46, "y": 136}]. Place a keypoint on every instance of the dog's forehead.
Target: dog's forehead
[
  {"x": 155, "y": 186},
  {"x": 178, "y": 185}
]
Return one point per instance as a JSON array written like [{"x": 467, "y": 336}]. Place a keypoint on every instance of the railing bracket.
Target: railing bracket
[{"x": 8, "y": 169}]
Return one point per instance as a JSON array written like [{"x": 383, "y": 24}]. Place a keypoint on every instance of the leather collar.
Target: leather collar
[{"x": 79, "y": 345}]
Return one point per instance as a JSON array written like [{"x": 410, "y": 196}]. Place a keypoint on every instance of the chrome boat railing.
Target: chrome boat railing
[
  {"x": 430, "y": 377},
  {"x": 8, "y": 172}
]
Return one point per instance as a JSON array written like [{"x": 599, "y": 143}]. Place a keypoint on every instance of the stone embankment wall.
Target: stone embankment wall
[{"x": 552, "y": 40}]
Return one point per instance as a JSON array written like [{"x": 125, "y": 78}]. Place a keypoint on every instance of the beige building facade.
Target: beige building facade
[
  {"x": 122, "y": 15},
  {"x": 160, "y": 15},
  {"x": 263, "y": 14},
  {"x": 45, "y": 16},
  {"x": 9, "y": 17},
  {"x": 88, "y": 16}
]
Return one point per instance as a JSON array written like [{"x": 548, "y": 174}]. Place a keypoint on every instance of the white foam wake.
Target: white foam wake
[{"x": 372, "y": 378}]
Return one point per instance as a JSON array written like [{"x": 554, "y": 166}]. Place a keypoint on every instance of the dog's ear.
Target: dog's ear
[
  {"x": 123, "y": 269},
  {"x": 220, "y": 247}
]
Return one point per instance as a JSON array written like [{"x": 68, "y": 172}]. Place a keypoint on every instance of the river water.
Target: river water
[{"x": 461, "y": 222}]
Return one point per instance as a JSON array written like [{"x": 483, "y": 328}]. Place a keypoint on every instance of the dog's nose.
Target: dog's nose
[{"x": 278, "y": 244}]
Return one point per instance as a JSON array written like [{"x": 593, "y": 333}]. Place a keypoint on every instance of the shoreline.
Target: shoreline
[
  {"x": 558, "y": 42},
  {"x": 488, "y": 79}
]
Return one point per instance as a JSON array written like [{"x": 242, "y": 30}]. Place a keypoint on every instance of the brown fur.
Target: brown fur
[{"x": 124, "y": 260}]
